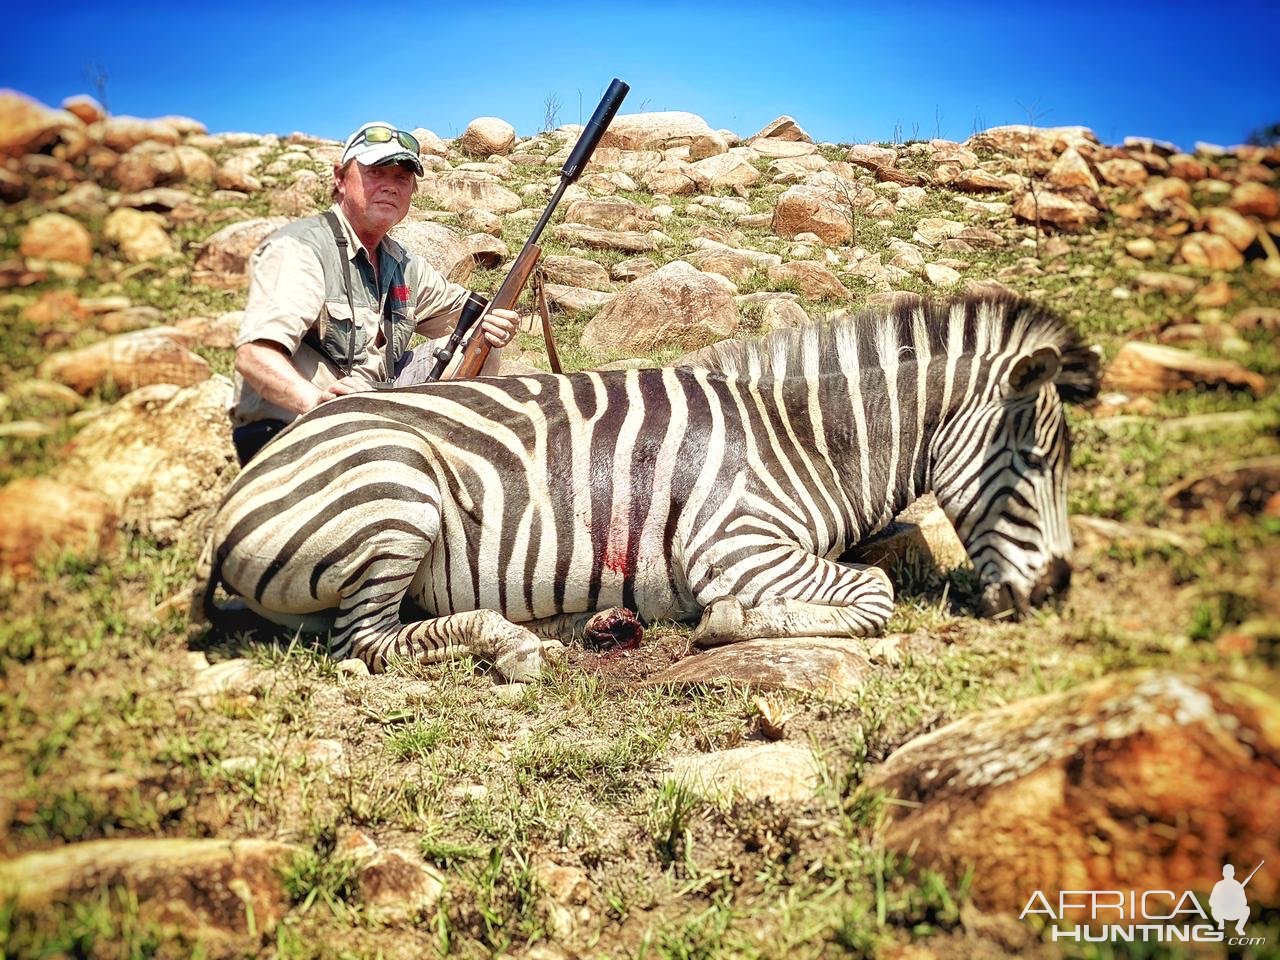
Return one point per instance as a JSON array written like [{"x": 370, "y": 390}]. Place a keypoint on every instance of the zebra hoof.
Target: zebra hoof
[
  {"x": 723, "y": 621},
  {"x": 521, "y": 658}
]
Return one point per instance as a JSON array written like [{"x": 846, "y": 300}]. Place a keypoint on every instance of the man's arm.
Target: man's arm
[{"x": 270, "y": 371}]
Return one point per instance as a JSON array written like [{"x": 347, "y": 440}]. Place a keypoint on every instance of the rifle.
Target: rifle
[{"x": 477, "y": 347}]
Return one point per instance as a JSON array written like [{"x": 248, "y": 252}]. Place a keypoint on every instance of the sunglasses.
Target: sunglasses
[{"x": 386, "y": 135}]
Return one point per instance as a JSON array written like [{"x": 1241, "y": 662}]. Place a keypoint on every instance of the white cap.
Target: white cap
[{"x": 378, "y": 154}]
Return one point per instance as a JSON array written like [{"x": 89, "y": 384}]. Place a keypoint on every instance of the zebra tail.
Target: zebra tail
[{"x": 201, "y": 612}]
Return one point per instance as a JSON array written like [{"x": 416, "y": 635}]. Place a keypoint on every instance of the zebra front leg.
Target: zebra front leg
[
  {"x": 834, "y": 600},
  {"x": 516, "y": 653}
]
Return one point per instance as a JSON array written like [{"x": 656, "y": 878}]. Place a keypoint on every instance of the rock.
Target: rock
[
  {"x": 353, "y": 667},
  {"x": 711, "y": 145},
  {"x": 780, "y": 312},
  {"x": 616, "y": 213},
  {"x": 573, "y": 299},
  {"x": 127, "y": 362},
  {"x": 871, "y": 157},
  {"x": 123, "y": 133},
  {"x": 223, "y": 260},
  {"x": 1226, "y": 222},
  {"x": 486, "y": 136},
  {"x": 632, "y": 269},
  {"x": 676, "y": 305},
  {"x": 1145, "y": 780},
  {"x": 460, "y": 191},
  {"x": 1152, "y": 368},
  {"x": 931, "y": 231},
  {"x": 920, "y": 532},
  {"x": 55, "y": 236},
  {"x": 674, "y": 179},
  {"x": 84, "y": 108},
  {"x": 1170, "y": 283},
  {"x": 821, "y": 210},
  {"x": 732, "y": 262},
  {"x": 219, "y": 331},
  {"x": 147, "y": 165},
  {"x": 1044, "y": 143},
  {"x": 45, "y": 519},
  {"x": 940, "y": 275},
  {"x": 1257, "y": 318},
  {"x": 430, "y": 145},
  {"x": 140, "y": 454},
  {"x": 1141, "y": 248},
  {"x": 637, "y": 131},
  {"x": 784, "y": 128},
  {"x": 627, "y": 241},
  {"x": 575, "y": 272},
  {"x": 1217, "y": 293},
  {"x": 782, "y": 149},
  {"x": 1238, "y": 489},
  {"x": 1255, "y": 200},
  {"x": 1211, "y": 251},
  {"x": 26, "y": 125},
  {"x": 1071, "y": 172},
  {"x": 139, "y": 236},
  {"x": 205, "y": 889},
  {"x": 977, "y": 181},
  {"x": 1123, "y": 172},
  {"x": 225, "y": 678},
  {"x": 726, "y": 171},
  {"x": 815, "y": 281},
  {"x": 196, "y": 165},
  {"x": 396, "y": 886},
  {"x": 833, "y": 668},
  {"x": 1053, "y": 208},
  {"x": 777, "y": 772},
  {"x": 439, "y": 246}
]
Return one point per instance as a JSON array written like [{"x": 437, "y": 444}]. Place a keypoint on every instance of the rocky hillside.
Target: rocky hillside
[{"x": 238, "y": 793}]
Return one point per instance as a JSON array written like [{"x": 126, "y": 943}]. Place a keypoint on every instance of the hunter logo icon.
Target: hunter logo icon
[{"x": 1227, "y": 901}]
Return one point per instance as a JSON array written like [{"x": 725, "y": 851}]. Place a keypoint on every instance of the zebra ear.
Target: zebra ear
[{"x": 1033, "y": 371}]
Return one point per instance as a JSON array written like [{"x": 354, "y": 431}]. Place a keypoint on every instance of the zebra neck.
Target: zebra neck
[{"x": 877, "y": 431}]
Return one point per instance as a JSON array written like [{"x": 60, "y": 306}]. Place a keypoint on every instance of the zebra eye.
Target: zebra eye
[{"x": 1033, "y": 459}]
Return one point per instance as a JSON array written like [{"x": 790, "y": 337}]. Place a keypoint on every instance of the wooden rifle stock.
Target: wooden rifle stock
[{"x": 477, "y": 349}]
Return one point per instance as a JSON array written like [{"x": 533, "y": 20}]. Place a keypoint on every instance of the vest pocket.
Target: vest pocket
[{"x": 334, "y": 332}]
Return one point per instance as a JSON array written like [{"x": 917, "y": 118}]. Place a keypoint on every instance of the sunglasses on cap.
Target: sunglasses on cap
[{"x": 386, "y": 135}]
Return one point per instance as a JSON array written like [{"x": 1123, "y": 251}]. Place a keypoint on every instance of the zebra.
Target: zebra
[{"x": 490, "y": 517}]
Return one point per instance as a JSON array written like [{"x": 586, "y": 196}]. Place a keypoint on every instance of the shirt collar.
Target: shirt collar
[{"x": 387, "y": 246}]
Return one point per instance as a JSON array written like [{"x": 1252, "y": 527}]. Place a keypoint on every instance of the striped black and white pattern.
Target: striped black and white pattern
[{"x": 726, "y": 489}]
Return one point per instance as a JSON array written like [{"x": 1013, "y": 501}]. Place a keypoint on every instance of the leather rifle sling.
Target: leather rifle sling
[{"x": 553, "y": 358}]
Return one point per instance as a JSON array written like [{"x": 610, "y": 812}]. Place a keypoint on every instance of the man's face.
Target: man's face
[{"x": 375, "y": 199}]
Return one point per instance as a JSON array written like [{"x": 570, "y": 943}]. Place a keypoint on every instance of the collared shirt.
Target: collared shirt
[{"x": 289, "y": 295}]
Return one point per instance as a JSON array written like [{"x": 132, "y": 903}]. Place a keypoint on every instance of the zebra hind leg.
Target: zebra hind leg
[{"x": 858, "y": 604}]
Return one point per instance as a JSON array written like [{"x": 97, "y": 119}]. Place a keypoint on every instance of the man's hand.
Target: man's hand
[
  {"x": 499, "y": 327},
  {"x": 346, "y": 385}
]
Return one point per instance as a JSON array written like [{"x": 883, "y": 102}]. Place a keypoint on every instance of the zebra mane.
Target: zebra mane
[{"x": 984, "y": 324}]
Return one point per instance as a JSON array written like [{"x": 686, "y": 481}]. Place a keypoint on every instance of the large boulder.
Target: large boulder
[
  {"x": 161, "y": 456},
  {"x": 486, "y": 136},
  {"x": 676, "y": 305},
  {"x": 784, "y": 128},
  {"x": 727, "y": 170},
  {"x": 55, "y": 236},
  {"x": 45, "y": 519},
  {"x": 230, "y": 892},
  {"x": 147, "y": 165},
  {"x": 1145, "y": 780},
  {"x": 1154, "y": 368},
  {"x": 464, "y": 190},
  {"x": 822, "y": 210},
  {"x": 639, "y": 130},
  {"x": 140, "y": 236},
  {"x": 1048, "y": 207},
  {"x": 127, "y": 362},
  {"x": 437, "y": 245},
  {"x": 224, "y": 258},
  {"x": 123, "y": 133},
  {"x": 26, "y": 125},
  {"x": 612, "y": 213}
]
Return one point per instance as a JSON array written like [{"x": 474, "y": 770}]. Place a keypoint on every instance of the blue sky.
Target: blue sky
[{"x": 848, "y": 72}]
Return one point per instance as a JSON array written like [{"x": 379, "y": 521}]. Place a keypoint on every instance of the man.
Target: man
[{"x": 298, "y": 346}]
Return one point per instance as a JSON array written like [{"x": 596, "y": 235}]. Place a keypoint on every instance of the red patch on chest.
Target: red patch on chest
[{"x": 400, "y": 293}]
